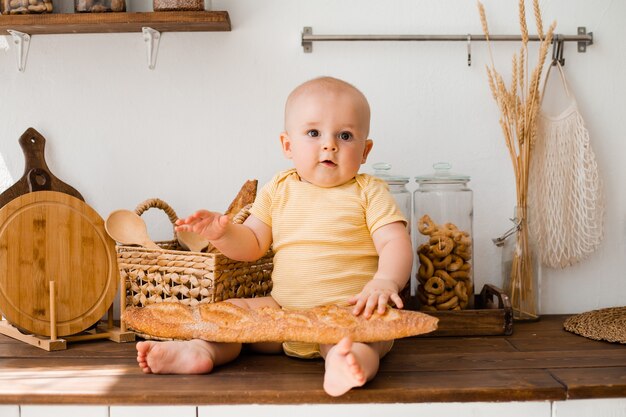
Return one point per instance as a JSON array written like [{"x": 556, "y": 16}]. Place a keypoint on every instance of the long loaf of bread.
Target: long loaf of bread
[{"x": 226, "y": 322}]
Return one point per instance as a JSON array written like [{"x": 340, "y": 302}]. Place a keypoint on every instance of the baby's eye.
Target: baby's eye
[
  {"x": 313, "y": 133},
  {"x": 345, "y": 136}
]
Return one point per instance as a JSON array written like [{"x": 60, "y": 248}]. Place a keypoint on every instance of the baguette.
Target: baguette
[
  {"x": 245, "y": 196},
  {"x": 226, "y": 322}
]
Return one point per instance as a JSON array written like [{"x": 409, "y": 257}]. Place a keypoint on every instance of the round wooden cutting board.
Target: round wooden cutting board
[{"x": 50, "y": 236}]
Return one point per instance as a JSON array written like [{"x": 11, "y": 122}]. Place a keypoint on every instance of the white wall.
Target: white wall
[{"x": 208, "y": 117}]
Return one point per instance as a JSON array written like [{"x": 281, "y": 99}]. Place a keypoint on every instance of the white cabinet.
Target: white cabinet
[
  {"x": 517, "y": 409},
  {"x": 10, "y": 410},
  {"x": 63, "y": 411},
  {"x": 152, "y": 411},
  {"x": 601, "y": 407}
]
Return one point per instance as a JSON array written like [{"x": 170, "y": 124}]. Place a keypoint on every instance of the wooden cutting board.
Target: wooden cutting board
[
  {"x": 50, "y": 236},
  {"x": 37, "y": 175}
]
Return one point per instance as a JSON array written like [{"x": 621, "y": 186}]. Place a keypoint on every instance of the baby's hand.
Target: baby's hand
[
  {"x": 208, "y": 224},
  {"x": 376, "y": 295}
]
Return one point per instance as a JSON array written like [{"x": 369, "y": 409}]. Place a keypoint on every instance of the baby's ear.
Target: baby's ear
[
  {"x": 285, "y": 143},
  {"x": 368, "y": 147}
]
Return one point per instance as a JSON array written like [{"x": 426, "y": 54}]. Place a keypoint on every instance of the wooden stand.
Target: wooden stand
[
  {"x": 491, "y": 314},
  {"x": 101, "y": 331}
]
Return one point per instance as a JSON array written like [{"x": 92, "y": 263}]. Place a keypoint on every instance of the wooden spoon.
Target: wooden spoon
[
  {"x": 126, "y": 227},
  {"x": 192, "y": 241}
]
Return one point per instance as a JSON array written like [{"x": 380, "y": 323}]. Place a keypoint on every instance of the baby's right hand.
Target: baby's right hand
[{"x": 208, "y": 224}]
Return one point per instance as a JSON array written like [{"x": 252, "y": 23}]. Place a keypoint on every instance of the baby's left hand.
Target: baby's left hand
[{"x": 376, "y": 295}]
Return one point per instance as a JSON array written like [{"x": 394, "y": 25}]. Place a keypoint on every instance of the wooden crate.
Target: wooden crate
[{"x": 491, "y": 315}]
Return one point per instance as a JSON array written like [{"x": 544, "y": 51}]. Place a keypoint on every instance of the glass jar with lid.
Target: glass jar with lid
[
  {"x": 99, "y": 6},
  {"x": 177, "y": 5},
  {"x": 442, "y": 218},
  {"x": 397, "y": 188},
  {"x": 9, "y": 7}
]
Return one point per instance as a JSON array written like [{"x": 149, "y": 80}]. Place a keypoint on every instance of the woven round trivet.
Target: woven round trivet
[{"x": 605, "y": 324}]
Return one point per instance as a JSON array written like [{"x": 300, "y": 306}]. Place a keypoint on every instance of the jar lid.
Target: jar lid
[
  {"x": 381, "y": 170},
  {"x": 442, "y": 175}
]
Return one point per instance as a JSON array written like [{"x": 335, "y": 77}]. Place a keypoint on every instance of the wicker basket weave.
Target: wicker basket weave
[{"x": 171, "y": 274}]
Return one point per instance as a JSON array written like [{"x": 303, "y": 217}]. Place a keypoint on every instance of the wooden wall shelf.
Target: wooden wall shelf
[{"x": 35, "y": 24}]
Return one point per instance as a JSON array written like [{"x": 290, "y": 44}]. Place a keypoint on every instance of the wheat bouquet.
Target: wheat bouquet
[{"x": 519, "y": 104}]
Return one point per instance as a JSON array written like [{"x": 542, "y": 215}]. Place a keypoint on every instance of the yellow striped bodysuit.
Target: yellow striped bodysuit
[{"x": 322, "y": 240}]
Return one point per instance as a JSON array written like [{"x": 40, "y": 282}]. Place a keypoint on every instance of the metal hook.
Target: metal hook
[
  {"x": 558, "y": 45},
  {"x": 469, "y": 50}
]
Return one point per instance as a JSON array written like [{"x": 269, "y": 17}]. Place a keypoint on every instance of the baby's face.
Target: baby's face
[{"x": 326, "y": 135}]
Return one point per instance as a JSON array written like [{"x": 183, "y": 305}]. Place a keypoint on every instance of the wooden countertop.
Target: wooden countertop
[{"x": 540, "y": 361}]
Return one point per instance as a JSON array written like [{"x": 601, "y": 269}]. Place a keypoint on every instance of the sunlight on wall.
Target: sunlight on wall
[{"x": 5, "y": 176}]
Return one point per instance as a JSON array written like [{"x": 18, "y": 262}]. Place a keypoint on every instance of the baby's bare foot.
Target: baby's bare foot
[
  {"x": 175, "y": 357},
  {"x": 343, "y": 372}
]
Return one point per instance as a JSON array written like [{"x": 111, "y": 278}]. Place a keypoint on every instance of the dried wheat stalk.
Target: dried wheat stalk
[{"x": 519, "y": 106}]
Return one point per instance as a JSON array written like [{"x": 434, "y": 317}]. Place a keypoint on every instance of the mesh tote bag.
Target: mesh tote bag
[{"x": 565, "y": 188}]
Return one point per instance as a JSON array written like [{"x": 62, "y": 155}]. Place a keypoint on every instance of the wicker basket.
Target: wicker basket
[{"x": 171, "y": 274}]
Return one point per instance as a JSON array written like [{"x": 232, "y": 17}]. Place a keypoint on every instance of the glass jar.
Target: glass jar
[
  {"x": 397, "y": 188},
  {"x": 25, "y": 6},
  {"x": 402, "y": 196},
  {"x": 99, "y": 6},
  {"x": 177, "y": 5},
  {"x": 521, "y": 269},
  {"x": 442, "y": 215}
]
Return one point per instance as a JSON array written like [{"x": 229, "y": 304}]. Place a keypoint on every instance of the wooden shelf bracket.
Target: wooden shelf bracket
[
  {"x": 22, "y": 40},
  {"x": 152, "y": 38}
]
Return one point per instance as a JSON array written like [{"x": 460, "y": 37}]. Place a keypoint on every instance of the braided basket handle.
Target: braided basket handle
[
  {"x": 141, "y": 208},
  {"x": 160, "y": 204}
]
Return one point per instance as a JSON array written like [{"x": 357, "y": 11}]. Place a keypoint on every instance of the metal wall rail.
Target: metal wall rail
[{"x": 582, "y": 38}]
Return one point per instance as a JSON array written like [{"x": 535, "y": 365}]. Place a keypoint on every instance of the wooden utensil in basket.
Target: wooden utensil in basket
[{"x": 173, "y": 275}]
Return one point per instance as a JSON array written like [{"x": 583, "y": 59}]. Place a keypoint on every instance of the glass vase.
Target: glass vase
[{"x": 521, "y": 270}]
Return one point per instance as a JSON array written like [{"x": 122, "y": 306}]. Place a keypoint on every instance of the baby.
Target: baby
[{"x": 337, "y": 235}]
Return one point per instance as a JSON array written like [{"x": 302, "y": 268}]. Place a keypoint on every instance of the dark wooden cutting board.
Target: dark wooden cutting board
[{"x": 37, "y": 175}]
